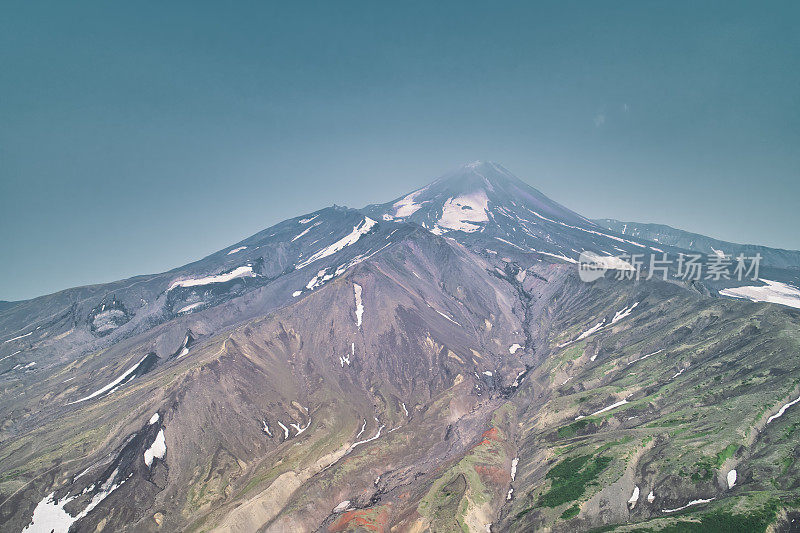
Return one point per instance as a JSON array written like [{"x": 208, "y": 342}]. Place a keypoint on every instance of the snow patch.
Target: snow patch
[
  {"x": 464, "y": 213},
  {"x": 407, "y": 206},
  {"x": 376, "y": 436},
  {"x": 448, "y": 318},
  {"x": 17, "y": 338},
  {"x": 190, "y": 307},
  {"x": 359, "y": 304},
  {"x": 342, "y": 506},
  {"x": 513, "y": 348},
  {"x": 773, "y": 292},
  {"x": 731, "y": 478},
  {"x": 113, "y": 384},
  {"x": 49, "y": 515},
  {"x": 362, "y": 428},
  {"x": 690, "y": 504},
  {"x": 605, "y": 409},
  {"x": 305, "y": 231},
  {"x": 239, "y": 249},
  {"x": 153, "y": 419},
  {"x": 364, "y": 227},
  {"x": 642, "y": 358},
  {"x": 619, "y": 315},
  {"x": 184, "y": 347},
  {"x": 783, "y": 410},
  {"x": 301, "y": 429},
  {"x": 239, "y": 272},
  {"x": 157, "y": 450},
  {"x": 634, "y": 497}
]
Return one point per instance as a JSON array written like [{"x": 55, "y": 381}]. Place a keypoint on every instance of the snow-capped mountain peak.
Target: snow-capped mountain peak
[{"x": 496, "y": 208}]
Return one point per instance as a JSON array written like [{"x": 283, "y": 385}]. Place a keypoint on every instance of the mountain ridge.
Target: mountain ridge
[{"x": 446, "y": 369}]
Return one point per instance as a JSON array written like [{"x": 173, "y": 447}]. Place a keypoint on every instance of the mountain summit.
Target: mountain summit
[
  {"x": 469, "y": 196},
  {"x": 489, "y": 207}
]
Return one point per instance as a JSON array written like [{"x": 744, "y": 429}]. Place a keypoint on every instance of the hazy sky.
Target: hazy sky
[{"x": 138, "y": 136}]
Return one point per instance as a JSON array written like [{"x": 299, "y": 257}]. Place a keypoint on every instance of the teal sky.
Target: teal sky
[{"x": 138, "y": 136}]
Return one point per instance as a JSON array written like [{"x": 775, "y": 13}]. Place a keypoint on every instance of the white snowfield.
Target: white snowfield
[
  {"x": 307, "y": 220},
  {"x": 407, "y": 206},
  {"x": 463, "y": 213},
  {"x": 605, "y": 409},
  {"x": 783, "y": 410},
  {"x": 773, "y": 292},
  {"x": 341, "y": 507},
  {"x": 113, "y": 384},
  {"x": 594, "y": 232},
  {"x": 651, "y": 497},
  {"x": 305, "y": 231},
  {"x": 690, "y": 504},
  {"x": 184, "y": 347},
  {"x": 153, "y": 419},
  {"x": 20, "y": 337},
  {"x": 50, "y": 516},
  {"x": 157, "y": 450},
  {"x": 558, "y": 256},
  {"x": 447, "y": 317},
  {"x": 374, "y": 437},
  {"x": 359, "y": 304},
  {"x": 190, "y": 307},
  {"x": 513, "y": 348},
  {"x": 514, "y": 464},
  {"x": 731, "y": 478},
  {"x": 364, "y": 227},
  {"x": 634, "y": 497},
  {"x": 239, "y": 272},
  {"x": 619, "y": 315},
  {"x": 597, "y": 327},
  {"x": 362, "y": 429},
  {"x": 642, "y": 358},
  {"x": 239, "y": 249},
  {"x": 10, "y": 355},
  {"x": 299, "y": 428},
  {"x": 318, "y": 280}
]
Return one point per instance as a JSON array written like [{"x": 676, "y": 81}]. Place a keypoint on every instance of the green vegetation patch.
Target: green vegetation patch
[
  {"x": 570, "y": 478},
  {"x": 756, "y": 521},
  {"x": 567, "y": 432},
  {"x": 726, "y": 454},
  {"x": 703, "y": 471},
  {"x": 571, "y": 512}
]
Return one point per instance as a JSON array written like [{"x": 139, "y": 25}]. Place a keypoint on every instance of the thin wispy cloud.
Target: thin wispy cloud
[{"x": 599, "y": 119}]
